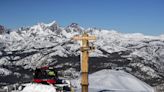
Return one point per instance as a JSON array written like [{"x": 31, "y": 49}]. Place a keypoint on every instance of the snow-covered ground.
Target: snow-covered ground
[
  {"x": 101, "y": 81},
  {"x": 114, "y": 81},
  {"x": 38, "y": 88}
]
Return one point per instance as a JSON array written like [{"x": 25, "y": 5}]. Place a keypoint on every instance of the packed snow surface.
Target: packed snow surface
[
  {"x": 38, "y": 88},
  {"x": 117, "y": 81}
]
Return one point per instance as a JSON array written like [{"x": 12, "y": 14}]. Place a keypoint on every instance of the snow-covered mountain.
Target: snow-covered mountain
[{"x": 50, "y": 44}]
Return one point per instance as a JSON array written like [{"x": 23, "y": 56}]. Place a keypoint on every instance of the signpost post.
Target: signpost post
[{"x": 84, "y": 58}]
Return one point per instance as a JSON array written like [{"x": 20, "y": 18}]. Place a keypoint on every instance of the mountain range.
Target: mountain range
[{"x": 26, "y": 48}]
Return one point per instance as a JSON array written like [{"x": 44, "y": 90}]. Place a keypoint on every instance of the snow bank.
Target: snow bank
[
  {"x": 38, "y": 88},
  {"x": 117, "y": 81}
]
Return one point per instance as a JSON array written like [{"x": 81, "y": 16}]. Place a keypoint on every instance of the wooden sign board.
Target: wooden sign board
[{"x": 84, "y": 37}]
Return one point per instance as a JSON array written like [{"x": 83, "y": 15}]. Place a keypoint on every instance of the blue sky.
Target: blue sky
[{"x": 126, "y": 16}]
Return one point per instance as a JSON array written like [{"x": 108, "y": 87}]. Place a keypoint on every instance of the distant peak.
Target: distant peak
[
  {"x": 52, "y": 23},
  {"x": 2, "y": 27},
  {"x": 75, "y": 25}
]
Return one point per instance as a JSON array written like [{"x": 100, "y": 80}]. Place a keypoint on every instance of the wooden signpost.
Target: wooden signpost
[{"x": 84, "y": 58}]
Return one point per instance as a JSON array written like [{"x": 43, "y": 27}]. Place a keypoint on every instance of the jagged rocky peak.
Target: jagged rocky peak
[
  {"x": 22, "y": 29},
  {"x": 43, "y": 26},
  {"x": 2, "y": 29},
  {"x": 43, "y": 29},
  {"x": 74, "y": 27},
  {"x": 53, "y": 26}
]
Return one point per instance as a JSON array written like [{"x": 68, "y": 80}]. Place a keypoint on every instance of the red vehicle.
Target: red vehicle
[
  {"x": 48, "y": 75},
  {"x": 45, "y": 75}
]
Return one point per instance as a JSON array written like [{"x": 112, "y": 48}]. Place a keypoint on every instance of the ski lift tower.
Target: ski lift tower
[{"x": 85, "y": 48}]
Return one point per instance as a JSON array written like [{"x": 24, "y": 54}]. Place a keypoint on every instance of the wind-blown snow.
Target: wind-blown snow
[{"x": 117, "y": 81}]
